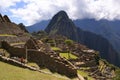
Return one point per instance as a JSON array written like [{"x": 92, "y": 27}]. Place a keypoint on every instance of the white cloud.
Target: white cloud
[
  {"x": 37, "y": 10},
  {"x": 7, "y": 3}
]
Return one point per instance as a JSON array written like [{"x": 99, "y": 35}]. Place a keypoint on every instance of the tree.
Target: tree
[{"x": 69, "y": 43}]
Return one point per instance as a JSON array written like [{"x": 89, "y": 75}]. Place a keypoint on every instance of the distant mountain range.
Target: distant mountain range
[
  {"x": 102, "y": 35},
  {"x": 38, "y": 26}
]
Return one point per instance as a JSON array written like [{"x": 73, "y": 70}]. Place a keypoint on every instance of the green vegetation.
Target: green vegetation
[
  {"x": 117, "y": 77},
  {"x": 55, "y": 49},
  {"x": 84, "y": 74},
  {"x": 10, "y": 72},
  {"x": 69, "y": 42},
  {"x": 9, "y": 35},
  {"x": 67, "y": 56},
  {"x": 59, "y": 18},
  {"x": 33, "y": 64},
  {"x": 53, "y": 31},
  {"x": 50, "y": 41}
]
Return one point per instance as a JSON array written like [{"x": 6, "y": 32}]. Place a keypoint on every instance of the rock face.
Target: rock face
[
  {"x": 62, "y": 25},
  {"x": 6, "y": 18}
]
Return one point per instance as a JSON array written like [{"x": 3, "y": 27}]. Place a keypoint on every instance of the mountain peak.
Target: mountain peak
[
  {"x": 61, "y": 24},
  {"x": 62, "y": 14},
  {"x": 4, "y": 18}
]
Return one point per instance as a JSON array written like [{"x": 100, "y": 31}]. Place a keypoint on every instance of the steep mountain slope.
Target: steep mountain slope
[
  {"x": 11, "y": 32},
  {"x": 62, "y": 25},
  {"x": 105, "y": 28}
]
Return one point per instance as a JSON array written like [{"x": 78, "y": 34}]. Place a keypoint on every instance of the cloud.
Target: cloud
[
  {"x": 36, "y": 10},
  {"x": 4, "y": 4}
]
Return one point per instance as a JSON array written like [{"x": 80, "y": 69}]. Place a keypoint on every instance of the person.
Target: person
[{"x": 22, "y": 60}]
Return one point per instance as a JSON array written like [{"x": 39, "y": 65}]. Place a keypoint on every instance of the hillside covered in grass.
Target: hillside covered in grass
[{"x": 10, "y": 72}]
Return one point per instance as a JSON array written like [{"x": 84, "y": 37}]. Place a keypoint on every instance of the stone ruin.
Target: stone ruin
[
  {"x": 33, "y": 44},
  {"x": 41, "y": 54}
]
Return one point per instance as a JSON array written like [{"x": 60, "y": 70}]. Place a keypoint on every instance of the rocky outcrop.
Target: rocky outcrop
[
  {"x": 6, "y": 18},
  {"x": 62, "y": 25},
  {"x": 1, "y": 18}
]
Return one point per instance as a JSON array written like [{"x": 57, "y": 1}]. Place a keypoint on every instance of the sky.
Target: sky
[{"x": 32, "y": 11}]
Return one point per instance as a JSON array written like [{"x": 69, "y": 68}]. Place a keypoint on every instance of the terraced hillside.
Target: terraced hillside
[{"x": 10, "y": 31}]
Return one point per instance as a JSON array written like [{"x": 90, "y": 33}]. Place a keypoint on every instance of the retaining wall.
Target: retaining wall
[{"x": 53, "y": 63}]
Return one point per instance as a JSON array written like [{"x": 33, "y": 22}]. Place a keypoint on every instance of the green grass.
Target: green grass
[
  {"x": 10, "y": 35},
  {"x": 55, "y": 49},
  {"x": 33, "y": 64},
  {"x": 10, "y": 72},
  {"x": 67, "y": 57},
  {"x": 84, "y": 74},
  {"x": 12, "y": 44}
]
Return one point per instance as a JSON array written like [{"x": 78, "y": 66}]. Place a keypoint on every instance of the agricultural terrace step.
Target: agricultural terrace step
[{"x": 10, "y": 35}]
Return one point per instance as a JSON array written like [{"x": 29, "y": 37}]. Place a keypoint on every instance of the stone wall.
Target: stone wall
[
  {"x": 55, "y": 64},
  {"x": 14, "y": 51},
  {"x": 33, "y": 44}
]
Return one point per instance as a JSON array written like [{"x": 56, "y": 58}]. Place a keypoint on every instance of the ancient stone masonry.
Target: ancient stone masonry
[
  {"x": 33, "y": 44},
  {"x": 14, "y": 51},
  {"x": 52, "y": 62}
]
